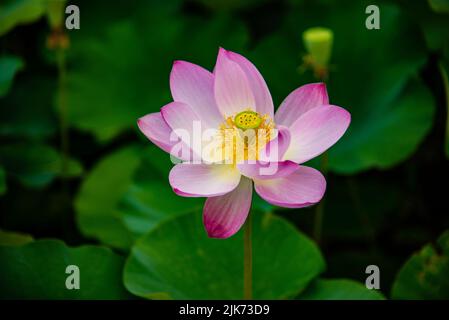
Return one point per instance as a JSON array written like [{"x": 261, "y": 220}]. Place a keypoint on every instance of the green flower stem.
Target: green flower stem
[
  {"x": 319, "y": 211},
  {"x": 248, "y": 260}
]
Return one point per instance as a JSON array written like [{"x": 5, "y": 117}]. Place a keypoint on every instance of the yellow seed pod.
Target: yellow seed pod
[
  {"x": 318, "y": 42},
  {"x": 247, "y": 120}
]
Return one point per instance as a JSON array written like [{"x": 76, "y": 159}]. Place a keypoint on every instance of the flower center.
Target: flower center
[
  {"x": 247, "y": 120},
  {"x": 242, "y": 136}
]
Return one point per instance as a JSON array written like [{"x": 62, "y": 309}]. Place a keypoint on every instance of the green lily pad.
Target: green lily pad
[
  {"x": 156, "y": 163},
  {"x": 435, "y": 28},
  {"x": 391, "y": 137},
  {"x": 16, "y": 12},
  {"x": 133, "y": 63},
  {"x": 101, "y": 191},
  {"x": 38, "y": 271},
  {"x": 424, "y": 275},
  {"x": 339, "y": 289},
  {"x": 147, "y": 204},
  {"x": 35, "y": 165},
  {"x": 440, "y": 6},
  {"x": 141, "y": 199},
  {"x": 370, "y": 75},
  {"x": 8, "y": 238},
  {"x": 149, "y": 199},
  {"x": 9, "y": 66},
  {"x": 178, "y": 261}
]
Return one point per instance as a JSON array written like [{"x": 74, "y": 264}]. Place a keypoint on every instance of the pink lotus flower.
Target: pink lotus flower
[{"x": 235, "y": 97}]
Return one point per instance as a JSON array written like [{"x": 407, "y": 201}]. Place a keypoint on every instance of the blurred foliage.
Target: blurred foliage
[
  {"x": 376, "y": 100},
  {"x": 8, "y": 238},
  {"x": 365, "y": 208},
  {"x": 16, "y": 12},
  {"x": 444, "y": 69},
  {"x": 339, "y": 289},
  {"x": 440, "y": 6},
  {"x": 96, "y": 201},
  {"x": 2, "y": 181},
  {"x": 382, "y": 201},
  {"x": 137, "y": 204},
  {"x": 55, "y": 12},
  {"x": 38, "y": 271},
  {"x": 9, "y": 67},
  {"x": 19, "y": 12},
  {"x": 27, "y": 112},
  {"x": 230, "y": 5},
  {"x": 34, "y": 165},
  {"x": 132, "y": 57},
  {"x": 424, "y": 275},
  {"x": 435, "y": 28}
]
